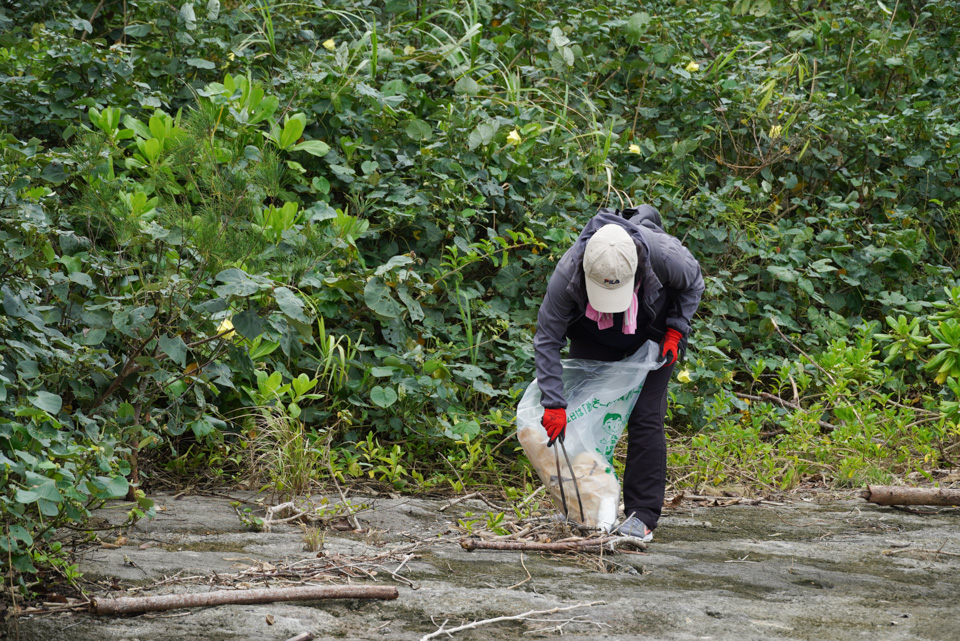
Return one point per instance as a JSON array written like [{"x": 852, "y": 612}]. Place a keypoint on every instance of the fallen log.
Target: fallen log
[
  {"x": 896, "y": 495},
  {"x": 136, "y": 605},
  {"x": 610, "y": 543}
]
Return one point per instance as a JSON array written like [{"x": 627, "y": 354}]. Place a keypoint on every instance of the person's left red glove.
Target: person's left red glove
[
  {"x": 554, "y": 421},
  {"x": 670, "y": 347}
]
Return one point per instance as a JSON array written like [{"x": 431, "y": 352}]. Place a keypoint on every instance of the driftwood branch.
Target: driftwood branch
[
  {"x": 136, "y": 605},
  {"x": 303, "y": 636},
  {"x": 609, "y": 543},
  {"x": 515, "y": 617},
  {"x": 896, "y": 495}
]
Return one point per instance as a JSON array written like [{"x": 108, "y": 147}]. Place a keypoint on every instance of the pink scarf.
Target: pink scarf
[{"x": 605, "y": 321}]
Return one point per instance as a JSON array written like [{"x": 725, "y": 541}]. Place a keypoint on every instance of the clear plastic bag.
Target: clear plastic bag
[{"x": 600, "y": 397}]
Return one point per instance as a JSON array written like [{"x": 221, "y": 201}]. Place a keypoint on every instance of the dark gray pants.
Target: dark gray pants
[{"x": 645, "y": 476}]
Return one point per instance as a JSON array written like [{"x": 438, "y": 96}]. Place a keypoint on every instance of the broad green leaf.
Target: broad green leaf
[
  {"x": 12, "y": 304},
  {"x": 48, "y": 508},
  {"x": 261, "y": 349},
  {"x": 249, "y": 324},
  {"x": 468, "y": 429},
  {"x": 785, "y": 274},
  {"x": 383, "y": 396},
  {"x": 128, "y": 321},
  {"x": 117, "y": 487},
  {"x": 684, "y": 147},
  {"x": 312, "y": 147},
  {"x": 47, "y": 491},
  {"x": 413, "y": 307},
  {"x": 49, "y": 403},
  {"x": 419, "y": 131},
  {"x": 82, "y": 278},
  {"x": 236, "y": 283},
  {"x": 137, "y": 30},
  {"x": 18, "y": 532},
  {"x": 916, "y": 161},
  {"x": 175, "y": 348},
  {"x": 394, "y": 87},
  {"x": 303, "y": 384},
  {"x": 393, "y": 263},
  {"x": 636, "y": 26},
  {"x": 467, "y": 86},
  {"x": 482, "y": 135},
  {"x": 292, "y": 130},
  {"x": 377, "y": 297},
  {"x": 558, "y": 39},
  {"x": 290, "y": 304},
  {"x": 200, "y": 63},
  {"x": 26, "y": 496},
  {"x": 54, "y": 173},
  {"x": 188, "y": 16},
  {"x": 93, "y": 336}
]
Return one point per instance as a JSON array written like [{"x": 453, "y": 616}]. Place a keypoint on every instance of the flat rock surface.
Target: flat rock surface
[{"x": 838, "y": 570}]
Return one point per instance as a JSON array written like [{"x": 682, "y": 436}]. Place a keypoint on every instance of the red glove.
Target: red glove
[
  {"x": 670, "y": 347},
  {"x": 555, "y": 422}
]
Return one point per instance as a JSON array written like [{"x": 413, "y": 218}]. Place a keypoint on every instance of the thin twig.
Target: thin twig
[
  {"x": 766, "y": 396},
  {"x": 529, "y": 576},
  {"x": 516, "y": 617},
  {"x": 93, "y": 17},
  {"x": 459, "y": 500}
]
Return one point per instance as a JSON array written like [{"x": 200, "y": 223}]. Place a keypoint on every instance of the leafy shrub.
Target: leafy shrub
[{"x": 201, "y": 199}]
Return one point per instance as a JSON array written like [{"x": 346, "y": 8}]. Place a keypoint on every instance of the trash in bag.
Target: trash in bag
[{"x": 600, "y": 397}]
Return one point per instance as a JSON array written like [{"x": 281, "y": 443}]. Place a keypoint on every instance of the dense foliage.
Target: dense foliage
[{"x": 310, "y": 238}]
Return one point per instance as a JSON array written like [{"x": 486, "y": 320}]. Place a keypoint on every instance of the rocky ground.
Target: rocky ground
[{"x": 839, "y": 570}]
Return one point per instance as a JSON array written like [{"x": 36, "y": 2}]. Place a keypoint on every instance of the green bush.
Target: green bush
[{"x": 203, "y": 204}]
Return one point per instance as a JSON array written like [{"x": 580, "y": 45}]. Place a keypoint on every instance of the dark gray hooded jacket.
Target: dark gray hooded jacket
[{"x": 669, "y": 274}]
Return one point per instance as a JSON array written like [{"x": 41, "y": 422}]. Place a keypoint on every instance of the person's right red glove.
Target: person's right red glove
[{"x": 555, "y": 423}]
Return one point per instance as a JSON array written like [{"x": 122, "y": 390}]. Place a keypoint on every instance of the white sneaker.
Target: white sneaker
[{"x": 634, "y": 527}]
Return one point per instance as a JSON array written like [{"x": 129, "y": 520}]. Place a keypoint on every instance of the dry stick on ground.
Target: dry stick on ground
[
  {"x": 515, "y": 617},
  {"x": 133, "y": 605},
  {"x": 529, "y": 576},
  {"x": 277, "y": 510},
  {"x": 895, "y": 495},
  {"x": 407, "y": 582},
  {"x": 473, "y": 495},
  {"x": 303, "y": 636},
  {"x": 935, "y": 553},
  {"x": 609, "y": 543}
]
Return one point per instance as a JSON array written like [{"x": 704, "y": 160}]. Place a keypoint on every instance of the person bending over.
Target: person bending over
[{"x": 623, "y": 282}]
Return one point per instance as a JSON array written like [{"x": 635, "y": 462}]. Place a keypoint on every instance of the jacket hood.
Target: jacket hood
[
  {"x": 645, "y": 274},
  {"x": 644, "y": 215}
]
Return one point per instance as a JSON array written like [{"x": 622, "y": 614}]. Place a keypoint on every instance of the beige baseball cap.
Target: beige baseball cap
[{"x": 610, "y": 264}]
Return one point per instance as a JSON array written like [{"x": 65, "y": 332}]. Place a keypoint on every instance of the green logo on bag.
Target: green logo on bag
[{"x": 595, "y": 404}]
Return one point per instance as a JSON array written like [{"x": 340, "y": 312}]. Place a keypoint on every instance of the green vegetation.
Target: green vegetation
[{"x": 282, "y": 241}]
